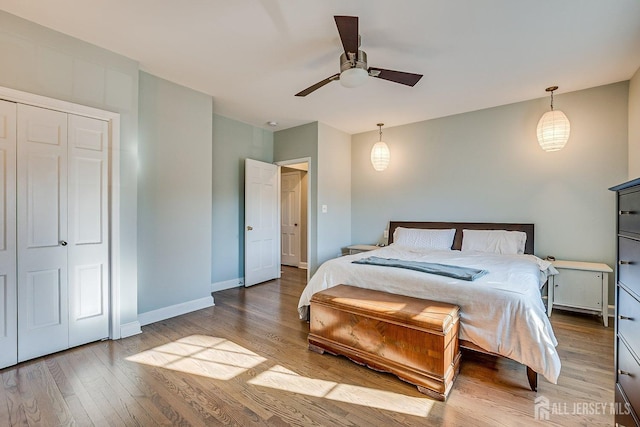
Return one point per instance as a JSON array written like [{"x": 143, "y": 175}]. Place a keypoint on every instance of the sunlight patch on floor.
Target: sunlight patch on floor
[
  {"x": 284, "y": 379},
  {"x": 211, "y": 357},
  {"x": 221, "y": 359}
]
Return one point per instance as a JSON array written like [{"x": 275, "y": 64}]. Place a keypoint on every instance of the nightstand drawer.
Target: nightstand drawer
[
  {"x": 628, "y": 375},
  {"x": 629, "y": 263},
  {"x": 629, "y": 212},
  {"x": 629, "y": 318}
]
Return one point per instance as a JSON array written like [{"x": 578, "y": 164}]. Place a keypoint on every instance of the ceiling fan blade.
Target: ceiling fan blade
[
  {"x": 318, "y": 85},
  {"x": 409, "y": 79},
  {"x": 348, "y": 29}
]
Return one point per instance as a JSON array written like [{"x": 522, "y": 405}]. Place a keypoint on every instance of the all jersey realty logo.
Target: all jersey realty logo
[{"x": 543, "y": 408}]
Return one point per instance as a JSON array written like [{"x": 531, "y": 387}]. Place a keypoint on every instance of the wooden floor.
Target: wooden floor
[{"x": 245, "y": 362}]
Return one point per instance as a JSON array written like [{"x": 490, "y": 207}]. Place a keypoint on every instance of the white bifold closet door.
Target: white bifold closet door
[
  {"x": 62, "y": 241},
  {"x": 8, "y": 282},
  {"x": 88, "y": 231}
]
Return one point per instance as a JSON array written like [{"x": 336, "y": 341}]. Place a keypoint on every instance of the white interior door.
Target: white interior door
[
  {"x": 290, "y": 214},
  {"x": 262, "y": 222},
  {"x": 8, "y": 282},
  {"x": 43, "y": 324},
  {"x": 88, "y": 243}
]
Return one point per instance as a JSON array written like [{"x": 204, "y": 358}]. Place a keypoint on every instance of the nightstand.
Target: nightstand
[
  {"x": 356, "y": 249},
  {"x": 580, "y": 286}
]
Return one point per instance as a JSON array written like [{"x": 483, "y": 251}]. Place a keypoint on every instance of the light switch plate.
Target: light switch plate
[{"x": 324, "y": 208}]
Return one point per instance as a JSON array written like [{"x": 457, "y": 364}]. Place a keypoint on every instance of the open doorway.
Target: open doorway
[{"x": 294, "y": 212}]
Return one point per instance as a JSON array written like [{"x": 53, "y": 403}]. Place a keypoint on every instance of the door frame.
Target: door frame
[
  {"x": 113, "y": 119},
  {"x": 306, "y": 160}
]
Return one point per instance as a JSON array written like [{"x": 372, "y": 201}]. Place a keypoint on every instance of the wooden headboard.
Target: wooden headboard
[{"x": 459, "y": 226}]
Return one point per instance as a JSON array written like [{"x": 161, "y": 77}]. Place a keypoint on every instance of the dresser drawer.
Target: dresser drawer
[
  {"x": 629, "y": 263},
  {"x": 624, "y": 417},
  {"x": 629, "y": 319},
  {"x": 629, "y": 375},
  {"x": 629, "y": 212}
]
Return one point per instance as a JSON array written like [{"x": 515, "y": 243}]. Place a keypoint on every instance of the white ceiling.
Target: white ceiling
[{"x": 252, "y": 56}]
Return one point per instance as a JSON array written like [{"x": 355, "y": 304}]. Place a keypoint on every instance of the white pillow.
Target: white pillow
[
  {"x": 496, "y": 241},
  {"x": 424, "y": 238}
]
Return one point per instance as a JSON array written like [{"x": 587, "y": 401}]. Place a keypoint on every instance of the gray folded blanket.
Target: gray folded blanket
[{"x": 454, "y": 271}]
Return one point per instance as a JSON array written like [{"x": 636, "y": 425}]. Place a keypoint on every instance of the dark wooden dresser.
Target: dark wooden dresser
[{"x": 627, "y": 297}]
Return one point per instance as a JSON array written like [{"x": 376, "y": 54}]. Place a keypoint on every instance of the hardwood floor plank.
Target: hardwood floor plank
[
  {"x": 50, "y": 395},
  {"x": 16, "y": 412},
  {"x": 108, "y": 392},
  {"x": 25, "y": 386},
  {"x": 89, "y": 407},
  {"x": 80, "y": 416},
  {"x": 5, "y": 405}
]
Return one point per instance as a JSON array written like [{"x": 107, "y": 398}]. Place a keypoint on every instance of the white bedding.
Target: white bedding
[{"x": 501, "y": 312}]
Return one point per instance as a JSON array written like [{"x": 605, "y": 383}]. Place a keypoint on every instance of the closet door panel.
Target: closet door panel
[
  {"x": 8, "y": 281},
  {"x": 42, "y": 198},
  {"x": 45, "y": 308},
  {"x": 43, "y": 324},
  {"x": 88, "y": 232}
]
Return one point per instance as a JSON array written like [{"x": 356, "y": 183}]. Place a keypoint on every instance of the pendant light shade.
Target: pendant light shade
[
  {"x": 553, "y": 128},
  {"x": 380, "y": 154}
]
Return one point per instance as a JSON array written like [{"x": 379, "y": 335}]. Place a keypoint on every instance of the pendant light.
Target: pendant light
[
  {"x": 380, "y": 153},
  {"x": 553, "y": 127}
]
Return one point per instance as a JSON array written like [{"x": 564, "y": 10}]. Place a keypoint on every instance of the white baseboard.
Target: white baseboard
[
  {"x": 174, "y": 310},
  {"x": 227, "y": 284},
  {"x": 130, "y": 329},
  {"x": 612, "y": 310},
  {"x": 303, "y": 265}
]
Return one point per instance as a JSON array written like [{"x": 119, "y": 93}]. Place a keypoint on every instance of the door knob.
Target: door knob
[
  {"x": 63, "y": 243},
  {"x": 249, "y": 227},
  {"x": 295, "y": 225}
]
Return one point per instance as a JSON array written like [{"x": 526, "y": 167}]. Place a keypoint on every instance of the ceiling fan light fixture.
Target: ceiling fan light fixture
[
  {"x": 353, "y": 62},
  {"x": 353, "y": 77}
]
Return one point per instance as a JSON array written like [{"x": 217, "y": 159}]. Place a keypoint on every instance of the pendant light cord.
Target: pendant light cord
[{"x": 551, "y": 89}]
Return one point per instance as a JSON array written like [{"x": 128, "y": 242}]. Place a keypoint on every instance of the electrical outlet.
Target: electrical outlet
[{"x": 385, "y": 234}]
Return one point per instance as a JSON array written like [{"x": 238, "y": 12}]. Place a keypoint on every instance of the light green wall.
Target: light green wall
[
  {"x": 296, "y": 143},
  {"x": 233, "y": 142},
  {"x": 174, "y": 197},
  {"x": 487, "y": 166},
  {"x": 634, "y": 126},
  {"x": 329, "y": 179},
  {"x": 334, "y": 192},
  {"x": 48, "y": 63}
]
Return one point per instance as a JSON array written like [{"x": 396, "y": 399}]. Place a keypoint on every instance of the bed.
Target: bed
[{"x": 501, "y": 313}]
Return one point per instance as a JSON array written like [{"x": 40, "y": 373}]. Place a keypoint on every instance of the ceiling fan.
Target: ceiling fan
[{"x": 353, "y": 62}]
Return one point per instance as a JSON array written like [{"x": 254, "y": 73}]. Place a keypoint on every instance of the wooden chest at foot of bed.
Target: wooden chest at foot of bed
[{"x": 413, "y": 338}]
